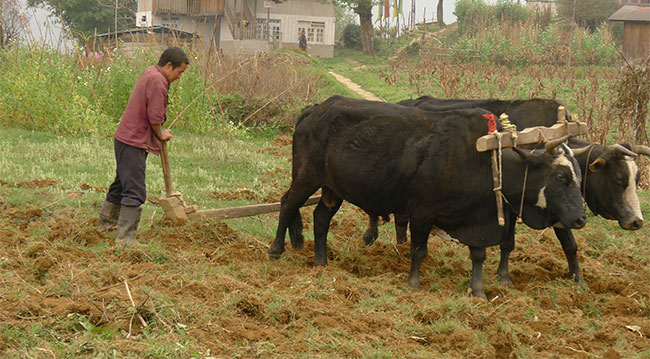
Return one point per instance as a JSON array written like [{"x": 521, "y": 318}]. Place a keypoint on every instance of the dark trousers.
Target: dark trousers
[{"x": 129, "y": 188}]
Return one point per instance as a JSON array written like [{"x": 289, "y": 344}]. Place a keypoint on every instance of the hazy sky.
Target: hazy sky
[
  {"x": 424, "y": 7},
  {"x": 43, "y": 28}
]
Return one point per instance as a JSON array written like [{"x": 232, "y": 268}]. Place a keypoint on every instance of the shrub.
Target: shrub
[
  {"x": 527, "y": 43},
  {"x": 474, "y": 16},
  {"x": 352, "y": 37},
  {"x": 587, "y": 13},
  {"x": 44, "y": 89}
]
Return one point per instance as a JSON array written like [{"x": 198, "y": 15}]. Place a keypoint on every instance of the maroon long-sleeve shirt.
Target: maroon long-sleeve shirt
[{"x": 147, "y": 105}]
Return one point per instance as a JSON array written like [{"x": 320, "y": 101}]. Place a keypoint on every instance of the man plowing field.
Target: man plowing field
[{"x": 139, "y": 133}]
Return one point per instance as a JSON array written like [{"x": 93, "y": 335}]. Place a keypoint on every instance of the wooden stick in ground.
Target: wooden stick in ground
[
  {"x": 165, "y": 167},
  {"x": 497, "y": 188},
  {"x": 128, "y": 291}
]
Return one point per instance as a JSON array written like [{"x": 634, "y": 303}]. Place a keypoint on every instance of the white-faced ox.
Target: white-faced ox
[
  {"x": 610, "y": 173},
  {"x": 387, "y": 158}
]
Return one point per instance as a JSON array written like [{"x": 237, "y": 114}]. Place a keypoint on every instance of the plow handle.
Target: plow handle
[{"x": 165, "y": 167}]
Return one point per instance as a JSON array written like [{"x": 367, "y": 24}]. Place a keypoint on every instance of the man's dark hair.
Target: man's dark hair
[{"x": 175, "y": 55}]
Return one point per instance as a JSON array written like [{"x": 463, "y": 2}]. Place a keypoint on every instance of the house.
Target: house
[
  {"x": 633, "y": 2},
  {"x": 245, "y": 26},
  {"x": 542, "y": 5},
  {"x": 636, "y": 30}
]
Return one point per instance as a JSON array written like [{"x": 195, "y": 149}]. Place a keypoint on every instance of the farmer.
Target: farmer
[
  {"x": 139, "y": 132},
  {"x": 302, "y": 41}
]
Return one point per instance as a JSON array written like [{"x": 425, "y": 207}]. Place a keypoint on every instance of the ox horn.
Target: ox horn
[
  {"x": 623, "y": 151},
  {"x": 581, "y": 150},
  {"x": 642, "y": 150},
  {"x": 551, "y": 145}
]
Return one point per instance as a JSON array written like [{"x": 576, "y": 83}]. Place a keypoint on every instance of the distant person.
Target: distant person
[
  {"x": 302, "y": 41},
  {"x": 139, "y": 132}
]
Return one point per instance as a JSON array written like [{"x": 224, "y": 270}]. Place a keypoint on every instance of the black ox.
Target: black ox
[
  {"x": 610, "y": 174},
  {"x": 387, "y": 158}
]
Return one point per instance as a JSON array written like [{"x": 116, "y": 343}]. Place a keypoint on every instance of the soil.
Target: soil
[{"x": 215, "y": 285}]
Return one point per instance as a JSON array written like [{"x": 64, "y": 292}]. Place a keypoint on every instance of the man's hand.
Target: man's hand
[{"x": 165, "y": 135}]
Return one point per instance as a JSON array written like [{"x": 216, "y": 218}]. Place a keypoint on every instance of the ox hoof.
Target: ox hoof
[
  {"x": 415, "y": 285},
  {"x": 579, "y": 281},
  {"x": 479, "y": 294},
  {"x": 298, "y": 242},
  {"x": 505, "y": 281},
  {"x": 320, "y": 262},
  {"x": 369, "y": 238},
  {"x": 274, "y": 254}
]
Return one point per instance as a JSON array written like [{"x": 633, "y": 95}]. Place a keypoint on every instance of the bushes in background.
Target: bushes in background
[{"x": 68, "y": 94}]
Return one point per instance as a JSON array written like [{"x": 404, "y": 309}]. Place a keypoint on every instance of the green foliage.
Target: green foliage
[
  {"x": 527, "y": 43},
  {"x": 352, "y": 36},
  {"x": 473, "y": 16},
  {"x": 44, "y": 90},
  {"x": 83, "y": 17},
  {"x": 587, "y": 13},
  {"x": 65, "y": 94},
  {"x": 343, "y": 19}
]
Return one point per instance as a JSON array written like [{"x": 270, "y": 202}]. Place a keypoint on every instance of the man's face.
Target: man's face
[{"x": 171, "y": 73}]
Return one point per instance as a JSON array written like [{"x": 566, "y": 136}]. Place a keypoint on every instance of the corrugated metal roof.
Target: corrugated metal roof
[{"x": 632, "y": 13}]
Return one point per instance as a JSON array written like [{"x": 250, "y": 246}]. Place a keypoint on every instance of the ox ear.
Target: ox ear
[{"x": 597, "y": 165}]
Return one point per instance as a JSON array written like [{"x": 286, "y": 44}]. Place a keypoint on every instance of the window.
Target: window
[
  {"x": 170, "y": 22},
  {"x": 261, "y": 29},
  {"x": 314, "y": 31}
]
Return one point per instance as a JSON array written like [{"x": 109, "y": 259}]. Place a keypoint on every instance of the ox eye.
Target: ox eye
[{"x": 563, "y": 178}]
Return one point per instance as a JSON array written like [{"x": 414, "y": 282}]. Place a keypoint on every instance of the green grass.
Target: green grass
[
  {"x": 200, "y": 278},
  {"x": 204, "y": 163}
]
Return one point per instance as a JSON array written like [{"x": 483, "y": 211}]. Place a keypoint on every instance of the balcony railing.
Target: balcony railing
[{"x": 188, "y": 7}]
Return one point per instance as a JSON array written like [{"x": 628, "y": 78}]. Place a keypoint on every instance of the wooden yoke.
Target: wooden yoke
[
  {"x": 531, "y": 135},
  {"x": 496, "y": 141}
]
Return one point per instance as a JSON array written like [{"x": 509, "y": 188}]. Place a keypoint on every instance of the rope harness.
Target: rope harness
[
  {"x": 507, "y": 127},
  {"x": 584, "y": 180},
  {"x": 523, "y": 192}
]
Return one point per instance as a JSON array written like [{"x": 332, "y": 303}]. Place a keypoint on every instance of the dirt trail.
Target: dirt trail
[{"x": 356, "y": 88}]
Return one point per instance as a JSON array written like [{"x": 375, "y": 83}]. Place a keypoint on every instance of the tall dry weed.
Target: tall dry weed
[
  {"x": 270, "y": 83},
  {"x": 633, "y": 90},
  {"x": 632, "y": 106}
]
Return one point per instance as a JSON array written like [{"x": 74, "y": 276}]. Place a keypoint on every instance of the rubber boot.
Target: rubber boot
[
  {"x": 127, "y": 224},
  {"x": 108, "y": 215}
]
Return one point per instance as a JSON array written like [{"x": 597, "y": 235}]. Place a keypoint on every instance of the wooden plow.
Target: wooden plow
[
  {"x": 498, "y": 140},
  {"x": 177, "y": 210}
]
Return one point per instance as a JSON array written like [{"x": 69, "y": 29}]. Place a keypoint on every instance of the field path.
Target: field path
[{"x": 356, "y": 88}]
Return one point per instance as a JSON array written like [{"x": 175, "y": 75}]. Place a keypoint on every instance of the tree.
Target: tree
[
  {"x": 364, "y": 9},
  {"x": 343, "y": 18},
  {"x": 440, "y": 21},
  {"x": 84, "y": 16},
  {"x": 352, "y": 37},
  {"x": 587, "y": 13},
  {"x": 11, "y": 22}
]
